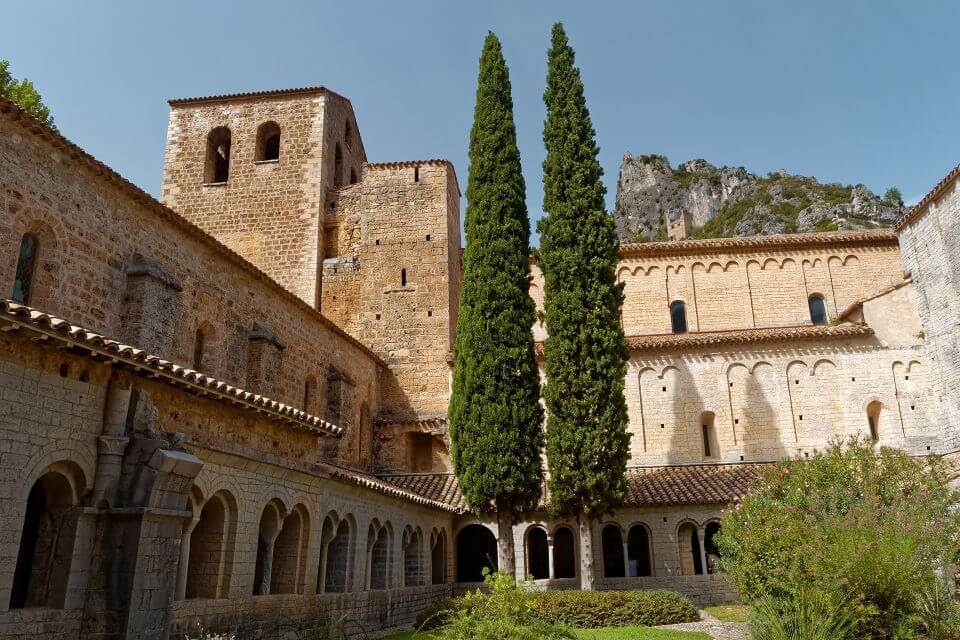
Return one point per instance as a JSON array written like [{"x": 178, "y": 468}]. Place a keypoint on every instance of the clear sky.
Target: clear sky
[{"x": 846, "y": 91}]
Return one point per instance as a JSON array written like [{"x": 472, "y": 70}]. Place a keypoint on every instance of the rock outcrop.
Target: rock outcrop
[{"x": 699, "y": 200}]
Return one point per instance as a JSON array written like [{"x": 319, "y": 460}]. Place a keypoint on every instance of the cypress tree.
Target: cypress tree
[
  {"x": 495, "y": 414},
  {"x": 586, "y": 352}
]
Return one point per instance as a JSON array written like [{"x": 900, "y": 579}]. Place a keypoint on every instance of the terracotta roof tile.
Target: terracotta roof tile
[
  {"x": 932, "y": 195},
  {"x": 10, "y": 110},
  {"x": 181, "y": 377},
  {"x": 780, "y": 241},
  {"x": 646, "y": 486}
]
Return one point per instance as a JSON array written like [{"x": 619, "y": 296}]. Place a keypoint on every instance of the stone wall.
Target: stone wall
[
  {"x": 930, "y": 242},
  {"x": 269, "y": 211}
]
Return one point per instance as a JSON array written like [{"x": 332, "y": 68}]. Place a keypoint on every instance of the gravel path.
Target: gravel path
[{"x": 714, "y": 628}]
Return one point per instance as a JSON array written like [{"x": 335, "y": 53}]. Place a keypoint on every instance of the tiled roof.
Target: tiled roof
[
  {"x": 440, "y": 487},
  {"x": 694, "y": 484},
  {"x": 646, "y": 486},
  {"x": 664, "y": 341},
  {"x": 10, "y": 110},
  {"x": 780, "y": 241},
  {"x": 859, "y": 303},
  {"x": 269, "y": 93},
  {"x": 932, "y": 195},
  {"x": 182, "y": 378},
  {"x": 388, "y": 486}
]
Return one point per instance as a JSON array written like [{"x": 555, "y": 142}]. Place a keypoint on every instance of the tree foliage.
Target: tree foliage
[
  {"x": 586, "y": 352},
  {"x": 859, "y": 525},
  {"x": 24, "y": 94},
  {"x": 495, "y": 413},
  {"x": 893, "y": 196}
]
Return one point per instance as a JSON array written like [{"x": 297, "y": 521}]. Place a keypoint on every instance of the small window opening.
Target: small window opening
[
  {"x": 353, "y": 176},
  {"x": 348, "y": 135},
  {"x": 818, "y": 310},
  {"x": 217, "y": 168},
  {"x": 198, "y": 345},
  {"x": 678, "y": 316},
  {"x": 708, "y": 432},
  {"x": 26, "y": 263},
  {"x": 873, "y": 419},
  {"x": 84, "y": 376},
  {"x": 64, "y": 370},
  {"x": 416, "y": 174},
  {"x": 268, "y": 142},
  {"x": 428, "y": 237},
  {"x": 403, "y": 277}
]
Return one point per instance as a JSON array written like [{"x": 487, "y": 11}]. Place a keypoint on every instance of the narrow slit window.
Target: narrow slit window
[
  {"x": 416, "y": 174},
  {"x": 198, "y": 345},
  {"x": 403, "y": 277},
  {"x": 678, "y": 316},
  {"x": 26, "y": 263}
]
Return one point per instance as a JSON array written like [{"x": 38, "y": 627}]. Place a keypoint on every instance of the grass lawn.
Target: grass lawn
[
  {"x": 729, "y": 612},
  {"x": 609, "y": 633}
]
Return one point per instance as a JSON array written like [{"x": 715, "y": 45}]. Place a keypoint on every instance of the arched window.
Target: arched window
[
  {"x": 612, "y": 542},
  {"x": 710, "y": 546},
  {"x": 266, "y": 535},
  {"x": 198, "y": 345},
  {"x": 412, "y": 557},
  {"x": 678, "y": 316},
  {"x": 353, "y": 176},
  {"x": 708, "y": 434},
  {"x": 338, "y": 167},
  {"x": 268, "y": 142},
  {"x": 538, "y": 556},
  {"x": 378, "y": 556},
  {"x": 290, "y": 552},
  {"x": 335, "y": 384},
  {"x": 348, "y": 135},
  {"x": 638, "y": 551},
  {"x": 818, "y": 310},
  {"x": 26, "y": 263},
  {"x": 46, "y": 544},
  {"x": 210, "y": 545},
  {"x": 438, "y": 558},
  {"x": 564, "y": 555},
  {"x": 688, "y": 546},
  {"x": 476, "y": 550},
  {"x": 334, "y": 556},
  {"x": 873, "y": 419},
  {"x": 217, "y": 166}
]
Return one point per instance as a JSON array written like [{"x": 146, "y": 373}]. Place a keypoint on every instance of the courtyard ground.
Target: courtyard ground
[{"x": 610, "y": 633}]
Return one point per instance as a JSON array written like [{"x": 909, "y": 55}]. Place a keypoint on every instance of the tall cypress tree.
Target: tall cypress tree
[
  {"x": 586, "y": 352},
  {"x": 495, "y": 414}
]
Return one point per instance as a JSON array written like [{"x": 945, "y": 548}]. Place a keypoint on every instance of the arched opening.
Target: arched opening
[
  {"x": 710, "y": 546},
  {"x": 217, "y": 165},
  {"x": 678, "y": 316},
  {"x": 688, "y": 542},
  {"x": 338, "y": 167},
  {"x": 266, "y": 534},
  {"x": 538, "y": 556},
  {"x": 438, "y": 558},
  {"x": 612, "y": 541},
  {"x": 26, "y": 266},
  {"x": 209, "y": 548},
  {"x": 46, "y": 544},
  {"x": 476, "y": 551},
  {"x": 412, "y": 558},
  {"x": 334, "y": 556},
  {"x": 289, "y": 552},
  {"x": 353, "y": 176},
  {"x": 309, "y": 394},
  {"x": 708, "y": 435},
  {"x": 818, "y": 310},
  {"x": 335, "y": 386},
  {"x": 421, "y": 452},
  {"x": 564, "y": 555},
  {"x": 873, "y": 419},
  {"x": 638, "y": 551},
  {"x": 378, "y": 557},
  {"x": 268, "y": 142}
]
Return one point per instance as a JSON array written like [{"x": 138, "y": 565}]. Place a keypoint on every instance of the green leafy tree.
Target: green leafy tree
[
  {"x": 865, "y": 527},
  {"x": 495, "y": 415},
  {"x": 893, "y": 196},
  {"x": 24, "y": 94},
  {"x": 586, "y": 352}
]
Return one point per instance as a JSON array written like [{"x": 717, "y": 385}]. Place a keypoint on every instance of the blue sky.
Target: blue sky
[{"x": 846, "y": 91}]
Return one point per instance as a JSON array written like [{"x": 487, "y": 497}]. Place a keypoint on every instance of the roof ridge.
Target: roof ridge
[
  {"x": 925, "y": 201},
  {"x": 867, "y": 236},
  {"x": 265, "y": 93},
  {"x": 57, "y": 139}
]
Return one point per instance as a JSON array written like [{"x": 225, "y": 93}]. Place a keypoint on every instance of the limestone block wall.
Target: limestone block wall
[
  {"x": 729, "y": 285},
  {"x": 91, "y": 228},
  {"x": 930, "y": 242},
  {"x": 269, "y": 211},
  {"x": 768, "y": 402}
]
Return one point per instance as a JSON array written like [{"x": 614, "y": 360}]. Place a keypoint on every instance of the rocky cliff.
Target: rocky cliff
[{"x": 711, "y": 202}]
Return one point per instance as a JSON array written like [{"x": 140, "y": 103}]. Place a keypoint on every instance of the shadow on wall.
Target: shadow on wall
[
  {"x": 761, "y": 423},
  {"x": 686, "y": 440}
]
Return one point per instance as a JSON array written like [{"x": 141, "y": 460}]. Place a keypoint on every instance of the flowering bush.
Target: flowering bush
[{"x": 869, "y": 527}]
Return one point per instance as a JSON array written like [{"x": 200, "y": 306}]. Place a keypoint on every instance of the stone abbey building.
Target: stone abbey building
[{"x": 228, "y": 407}]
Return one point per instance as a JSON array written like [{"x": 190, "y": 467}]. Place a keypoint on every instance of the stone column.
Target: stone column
[
  {"x": 703, "y": 550},
  {"x": 626, "y": 559},
  {"x": 184, "y": 566},
  {"x": 550, "y": 555}
]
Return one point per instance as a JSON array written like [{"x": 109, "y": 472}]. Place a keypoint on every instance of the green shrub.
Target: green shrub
[
  {"x": 808, "y": 614},
  {"x": 874, "y": 526},
  {"x": 591, "y": 609}
]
